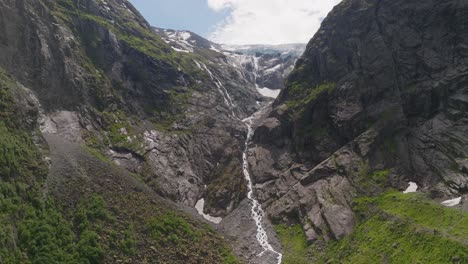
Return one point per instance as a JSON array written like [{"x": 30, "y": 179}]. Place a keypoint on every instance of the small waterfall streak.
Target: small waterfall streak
[{"x": 222, "y": 90}]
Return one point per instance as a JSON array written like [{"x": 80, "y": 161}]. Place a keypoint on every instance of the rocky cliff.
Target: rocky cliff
[
  {"x": 131, "y": 115},
  {"x": 103, "y": 78},
  {"x": 103, "y": 87},
  {"x": 376, "y": 101}
]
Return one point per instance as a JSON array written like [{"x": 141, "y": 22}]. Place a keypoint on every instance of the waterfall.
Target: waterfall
[{"x": 257, "y": 212}]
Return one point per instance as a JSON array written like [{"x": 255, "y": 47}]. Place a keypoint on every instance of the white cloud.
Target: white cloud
[{"x": 269, "y": 21}]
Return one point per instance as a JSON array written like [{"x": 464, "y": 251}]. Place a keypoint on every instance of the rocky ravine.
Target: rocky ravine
[
  {"x": 377, "y": 100},
  {"x": 104, "y": 79},
  {"x": 380, "y": 90}
]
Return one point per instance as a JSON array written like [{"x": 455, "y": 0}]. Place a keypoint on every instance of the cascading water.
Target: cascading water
[
  {"x": 222, "y": 90},
  {"x": 257, "y": 212}
]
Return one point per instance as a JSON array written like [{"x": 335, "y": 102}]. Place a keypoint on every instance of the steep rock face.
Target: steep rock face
[
  {"x": 105, "y": 79},
  {"x": 377, "y": 100}
]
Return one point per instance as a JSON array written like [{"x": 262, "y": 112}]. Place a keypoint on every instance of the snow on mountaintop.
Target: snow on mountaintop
[
  {"x": 264, "y": 66},
  {"x": 295, "y": 49},
  {"x": 185, "y": 40}
]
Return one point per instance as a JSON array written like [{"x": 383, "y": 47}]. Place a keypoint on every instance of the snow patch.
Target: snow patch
[
  {"x": 180, "y": 50},
  {"x": 200, "y": 205},
  {"x": 185, "y": 35},
  {"x": 413, "y": 187},
  {"x": 215, "y": 49},
  {"x": 198, "y": 65},
  {"x": 268, "y": 92},
  {"x": 452, "y": 202}
]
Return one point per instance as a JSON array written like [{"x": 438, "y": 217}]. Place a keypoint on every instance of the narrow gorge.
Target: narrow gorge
[{"x": 122, "y": 142}]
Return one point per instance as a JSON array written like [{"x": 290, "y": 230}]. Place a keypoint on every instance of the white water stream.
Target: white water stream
[
  {"x": 257, "y": 212},
  {"x": 222, "y": 90}
]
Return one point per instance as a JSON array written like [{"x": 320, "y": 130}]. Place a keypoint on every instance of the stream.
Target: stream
[{"x": 257, "y": 212}]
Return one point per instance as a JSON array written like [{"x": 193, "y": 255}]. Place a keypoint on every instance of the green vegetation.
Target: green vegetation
[
  {"x": 422, "y": 211},
  {"x": 403, "y": 228},
  {"x": 371, "y": 181},
  {"x": 305, "y": 95},
  {"x": 295, "y": 248},
  {"x": 392, "y": 228},
  {"x": 90, "y": 212},
  {"x": 35, "y": 231},
  {"x": 128, "y": 244},
  {"x": 301, "y": 95},
  {"x": 177, "y": 101},
  {"x": 18, "y": 155},
  {"x": 173, "y": 229},
  {"x": 32, "y": 227},
  {"x": 119, "y": 133},
  {"x": 6, "y": 98}
]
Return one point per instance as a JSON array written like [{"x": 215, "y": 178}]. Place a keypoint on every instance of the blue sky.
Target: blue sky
[
  {"x": 193, "y": 15},
  {"x": 240, "y": 21}
]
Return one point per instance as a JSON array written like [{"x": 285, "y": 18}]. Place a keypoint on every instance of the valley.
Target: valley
[{"x": 122, "y": 142}]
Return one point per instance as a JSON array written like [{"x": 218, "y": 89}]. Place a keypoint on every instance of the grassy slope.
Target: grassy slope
[
  {"x": 102, "y": 227},
  {"x": 393, "y": 228}
]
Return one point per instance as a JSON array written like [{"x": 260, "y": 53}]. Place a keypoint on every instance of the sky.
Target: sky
[{"x": 240, "y": 21}]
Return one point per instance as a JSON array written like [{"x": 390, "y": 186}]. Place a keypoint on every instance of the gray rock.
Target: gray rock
[{"x": 396, "y": 102}]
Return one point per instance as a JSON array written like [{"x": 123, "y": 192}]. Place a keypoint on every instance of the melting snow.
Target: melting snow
[
  {"x": 180, "y": 50},
  {"x": 276, "y": 68},
  {"x": 200, "y": 205},
  {"x": 185, "y": 35},
  {"x": 214, "y": 49},
  {"x": 413, "y": 187},
  {"x": 452, "y": 202},
  {"x": 180, "y": 38},
  {"x": 268, "y": 92},
  {"x": 198, "y": 65}
]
